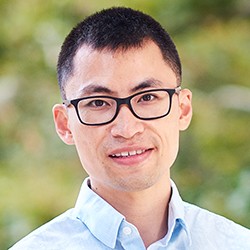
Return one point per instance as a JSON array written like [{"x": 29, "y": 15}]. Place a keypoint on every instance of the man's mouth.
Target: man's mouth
[{"x": 129, "y": 153}]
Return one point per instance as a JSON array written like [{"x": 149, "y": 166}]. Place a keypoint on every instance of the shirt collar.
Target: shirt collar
[
  {"x": 176, "y": 213},
  {"x": 93, "y": 210}
]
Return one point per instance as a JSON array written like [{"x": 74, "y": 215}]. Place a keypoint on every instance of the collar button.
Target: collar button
[{"x": 127, "y": 230}]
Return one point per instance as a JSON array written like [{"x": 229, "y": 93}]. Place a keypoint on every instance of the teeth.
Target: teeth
[
  {"x": 130, "y": 153},
  {"x": 139, "y": 152},
  {"x": 124, "y": 153}
]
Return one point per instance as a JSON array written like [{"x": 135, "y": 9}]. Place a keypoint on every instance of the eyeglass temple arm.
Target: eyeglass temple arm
[
  {"x": 178, "y": 90},
  {"x": 66, "y": 102}
]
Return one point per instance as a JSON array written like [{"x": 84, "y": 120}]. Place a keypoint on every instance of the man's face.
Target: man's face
[{"x": 152, "y": 145}]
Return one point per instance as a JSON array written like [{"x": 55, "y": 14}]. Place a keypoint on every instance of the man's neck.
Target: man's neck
[{"x": 147, "y": 209}]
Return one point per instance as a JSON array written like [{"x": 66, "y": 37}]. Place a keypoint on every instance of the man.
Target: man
[{"x": 120, "y": 78}]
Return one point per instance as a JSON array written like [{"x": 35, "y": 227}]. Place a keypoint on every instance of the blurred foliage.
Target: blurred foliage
[{"x": 40, "y": 176}]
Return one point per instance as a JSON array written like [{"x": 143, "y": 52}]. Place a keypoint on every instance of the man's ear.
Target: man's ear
[
  {"x": 62, "y": 124},
  {"x": 185, "y": 106}
]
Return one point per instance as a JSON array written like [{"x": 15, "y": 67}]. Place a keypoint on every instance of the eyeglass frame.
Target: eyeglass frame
[{"x": 121, "y": 101}]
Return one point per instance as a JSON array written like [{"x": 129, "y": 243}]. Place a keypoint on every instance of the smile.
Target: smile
[{"x": 129, "y": 153}]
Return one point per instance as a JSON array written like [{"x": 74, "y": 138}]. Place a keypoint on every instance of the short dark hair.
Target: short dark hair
[{"x": 112, "y": 29}]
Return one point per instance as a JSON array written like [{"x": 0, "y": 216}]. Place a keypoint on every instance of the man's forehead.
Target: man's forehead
[
  {"x": 86, "y": 51},
  {"x": 102, "y": 71}
]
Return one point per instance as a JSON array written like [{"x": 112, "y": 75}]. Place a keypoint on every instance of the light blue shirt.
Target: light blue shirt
[{"x": 93, "y": 224}]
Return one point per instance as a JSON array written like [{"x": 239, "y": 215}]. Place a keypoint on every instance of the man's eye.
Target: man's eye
[
  {"x": 98, "y": 103},
  {"x": 147, "y": 98}
]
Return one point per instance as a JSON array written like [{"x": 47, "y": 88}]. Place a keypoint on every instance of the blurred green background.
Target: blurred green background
[{"x": 40, "y": 176}]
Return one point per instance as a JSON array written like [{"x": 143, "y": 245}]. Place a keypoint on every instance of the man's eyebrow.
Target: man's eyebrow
[
  {"x": 149, "y": 83},
  {"x": 95, "y": 89},
  {"x": 99, "y": 89}
]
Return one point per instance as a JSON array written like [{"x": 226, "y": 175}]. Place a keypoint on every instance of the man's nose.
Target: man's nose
[{"x": 126, "y": 125}]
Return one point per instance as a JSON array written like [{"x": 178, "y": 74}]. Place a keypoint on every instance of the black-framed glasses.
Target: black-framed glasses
[{"x": 145, "y": 105}]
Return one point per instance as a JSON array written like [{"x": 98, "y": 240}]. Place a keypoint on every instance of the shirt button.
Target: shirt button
[{"x": 127, "y": 230}]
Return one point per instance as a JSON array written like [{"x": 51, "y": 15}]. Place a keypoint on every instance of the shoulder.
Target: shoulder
[
  {"x": 212, "y": 227},
  {"x": 60, "y": 230}
]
